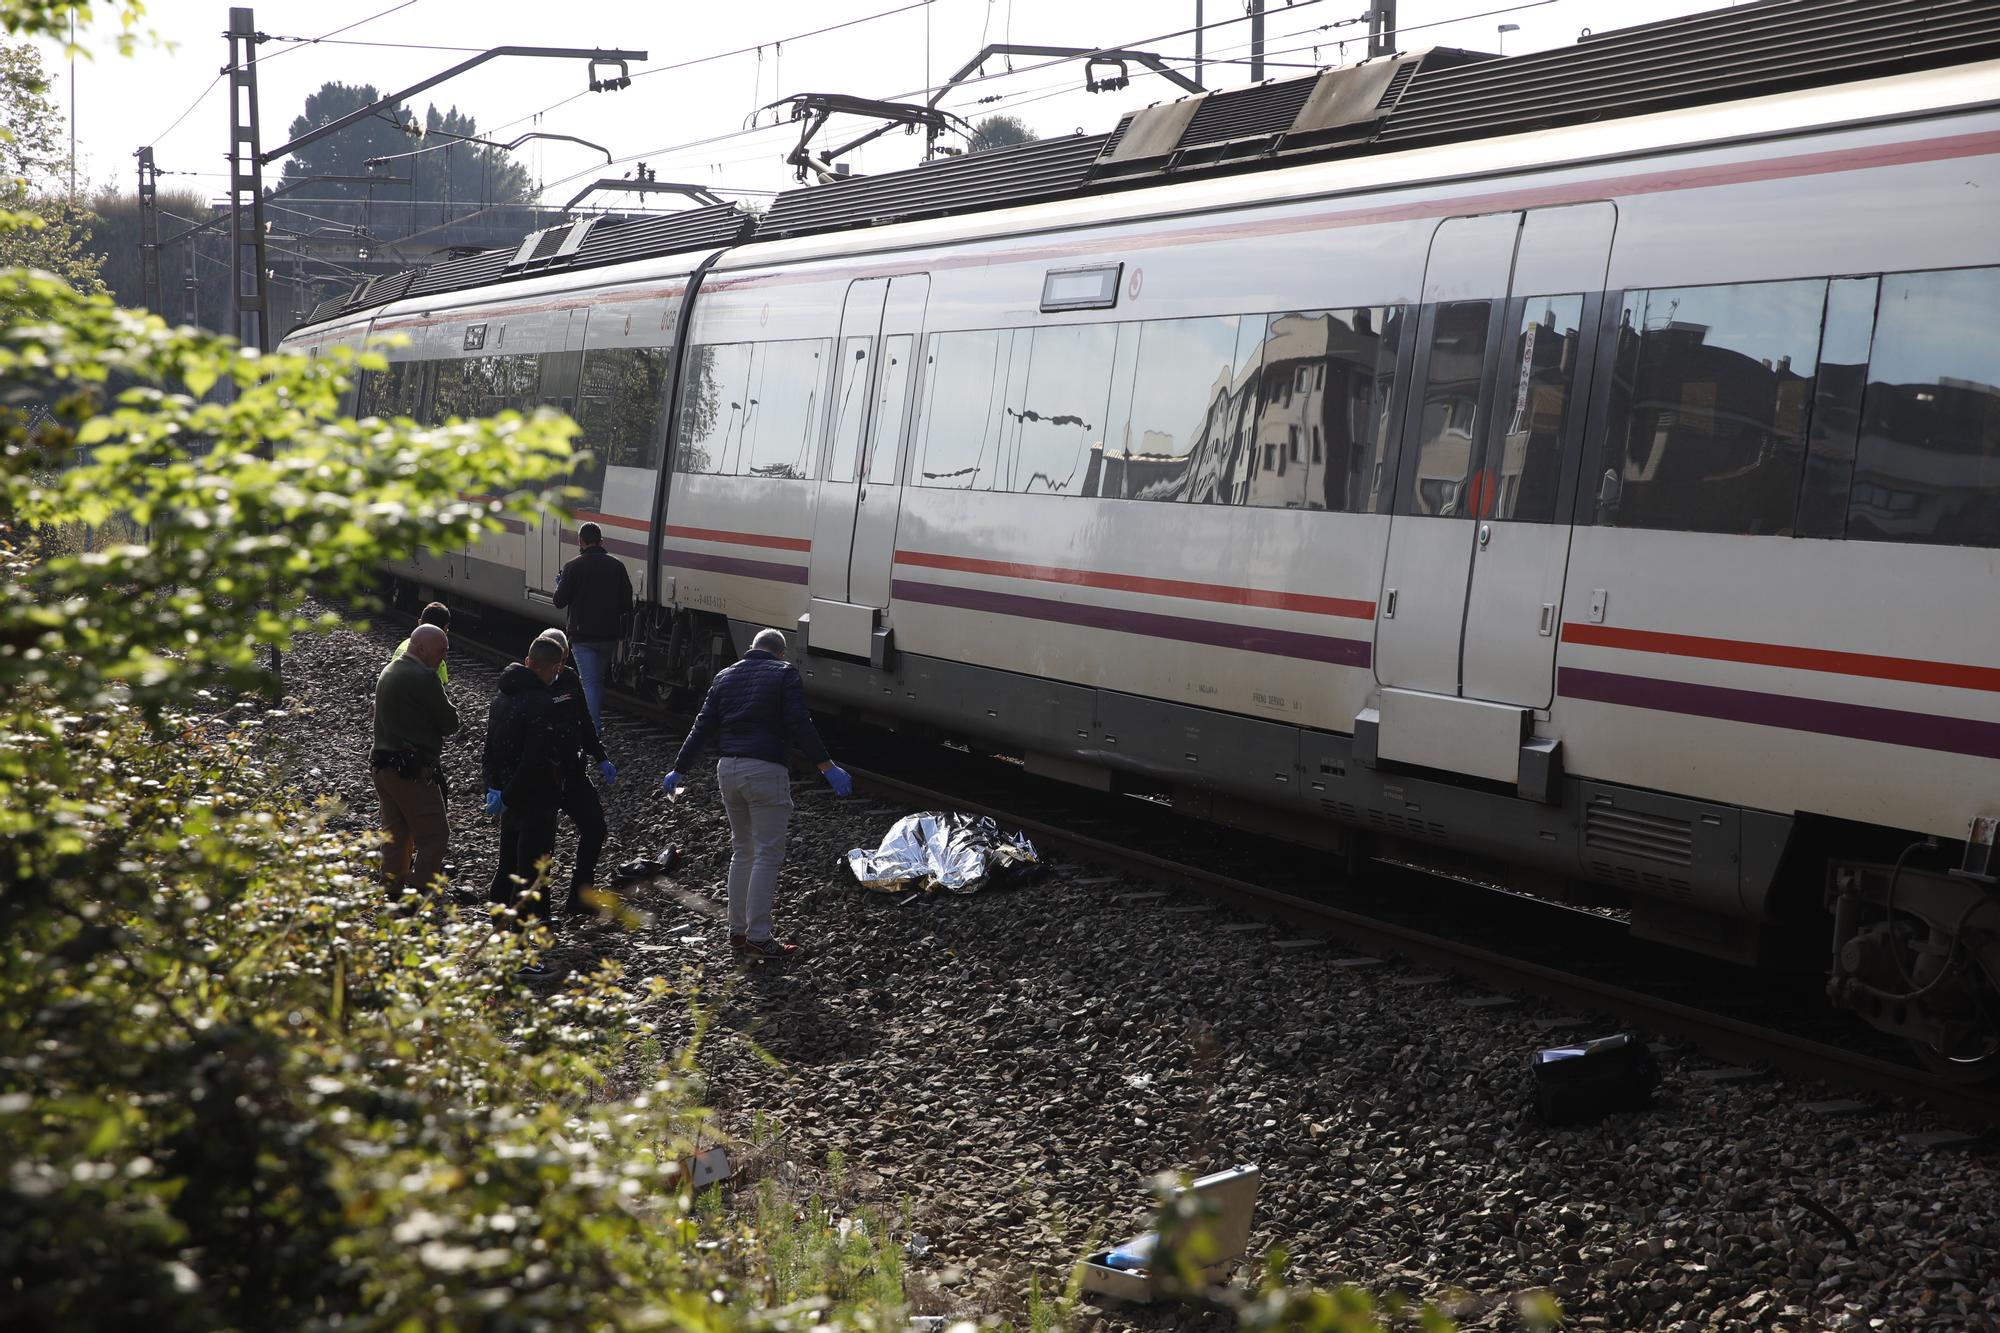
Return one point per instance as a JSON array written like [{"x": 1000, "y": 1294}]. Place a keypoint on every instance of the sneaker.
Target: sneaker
[
  {"x": 738, "y": 943},
  {"x": 771, "y": 949}
]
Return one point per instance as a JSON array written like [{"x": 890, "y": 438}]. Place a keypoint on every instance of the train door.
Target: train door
[
  {"x": 1522, "y": 488},
  {"x": 561, "y": 369},
  {"x": 879, "y": 324},
  {"x": 1420, "y": 618},
  {"x": 881, "y": 492},
  {"x": 852, "y": 392}
]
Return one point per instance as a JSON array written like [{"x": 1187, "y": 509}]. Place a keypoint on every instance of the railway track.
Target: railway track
[{"x": 1837, "y": 1054}]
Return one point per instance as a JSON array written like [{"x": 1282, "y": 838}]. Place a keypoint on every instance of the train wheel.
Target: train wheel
[{"x": 1963, "y": 1065}]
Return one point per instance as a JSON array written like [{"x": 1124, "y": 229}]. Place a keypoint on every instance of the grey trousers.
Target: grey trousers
[{"x": 758, "y": 796}]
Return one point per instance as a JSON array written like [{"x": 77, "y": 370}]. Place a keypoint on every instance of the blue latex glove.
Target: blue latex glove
[
  {"x": 494, "y": 804},
  {"x": 838, "y": 779},
  {"x": 608, "y": 771},
  {"x": 671, "y": 783}
]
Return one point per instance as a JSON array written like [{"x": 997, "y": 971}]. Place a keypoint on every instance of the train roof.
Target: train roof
[{"x": 1388, "y": 105}]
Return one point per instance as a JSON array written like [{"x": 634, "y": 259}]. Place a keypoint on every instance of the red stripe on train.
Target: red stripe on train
[
  {"x": 1953, "y": 675},
  {"x": 1201, "y": 592},
  {"x": 741, "y": 538}
]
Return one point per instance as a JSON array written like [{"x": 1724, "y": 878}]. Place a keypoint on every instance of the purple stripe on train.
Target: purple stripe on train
[
  {"x": 1220, "y": 634},
  {"x": 1861, "y": 722},
  {"x": 729, "y": 564},
  {"x": 615, "y": 545}
]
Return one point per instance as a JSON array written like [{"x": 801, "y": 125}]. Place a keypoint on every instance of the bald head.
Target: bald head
[{"x": 428, "y": 644}]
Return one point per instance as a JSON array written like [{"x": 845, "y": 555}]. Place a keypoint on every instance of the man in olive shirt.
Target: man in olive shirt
[{"x": 412, "y": 718}]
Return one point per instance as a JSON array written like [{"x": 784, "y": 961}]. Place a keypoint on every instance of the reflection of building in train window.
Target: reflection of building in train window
[
  {"x": 1182, "y": 389},
  {"x": 961, "y": 422},
  {"x": 1711, "y": 397},
  {"x": 1927, "y": 463},
  {"x": 1442, "y": 461},
  {"x": 1062, "y": 413},
  {"x": 1524, "y": 454}
]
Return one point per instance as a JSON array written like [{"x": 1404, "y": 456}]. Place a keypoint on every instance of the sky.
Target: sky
[{"x": 687, "y": 123}]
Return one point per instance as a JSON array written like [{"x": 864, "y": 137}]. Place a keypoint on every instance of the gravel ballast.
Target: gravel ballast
[{"x": 1005, "y": 1070}]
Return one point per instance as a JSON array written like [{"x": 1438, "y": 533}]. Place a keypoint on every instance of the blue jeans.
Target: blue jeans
[{"x": 593, "y": 665}]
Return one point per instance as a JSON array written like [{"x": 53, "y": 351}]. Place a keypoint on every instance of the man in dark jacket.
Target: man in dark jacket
[
  {"x": 756, "y": 712},
  {"x": 598, "y": 594},
  {"x": 579, "y": 743},
  {"x": 524, "y": 773},
  {"x": 412, "y": 718}
]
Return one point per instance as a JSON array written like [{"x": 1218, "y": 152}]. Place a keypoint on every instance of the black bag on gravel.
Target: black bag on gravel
[
  {"x": 1594, "y": 1078},
  {"x": 665, "y": 863}
]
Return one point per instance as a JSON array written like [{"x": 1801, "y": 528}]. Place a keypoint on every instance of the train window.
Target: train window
[
  {"x": 713, "y": 403},
  {"x": 892, "y": 395},
  {"x": 393, "y": 393},
  {"x": 961, "y": 416},
  {"x": 1836, "y": 407},
  {"x": 1927, "y": 465},
  {"x": 1325, "y": 378},
  {"x": 850, "y": 407},
  {"x": 1184, "y": 384},
  {"x": 1521, "y": 473},
  {"x": 451, "y": 395},
  {"x": 1232, "y": 461},
  {"x": 1712, "y": 390},
  {"x": 1062, "y": 414},
  {"x": 623, "y": 397},
  {"x": 1442, "y": 461},
  {"x": 781, "y": 430},
  {"x": 1081, "y": 288}
]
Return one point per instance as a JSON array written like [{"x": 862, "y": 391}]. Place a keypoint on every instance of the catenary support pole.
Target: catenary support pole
[
  {"x": 1382, "y": 29},
  {"x": 1198, "y": 26},
  {"x": 249, "y": 279},
  {"x": 149, "y": 232},
  {"x": 1256, "y": 41}
]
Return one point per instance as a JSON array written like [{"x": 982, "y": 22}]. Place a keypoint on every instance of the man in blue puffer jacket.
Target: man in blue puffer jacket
[{"x": 756, "y": 713}]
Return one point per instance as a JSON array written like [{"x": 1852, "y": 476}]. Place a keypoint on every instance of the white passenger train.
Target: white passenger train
[{"x": 1617, "y": 500}]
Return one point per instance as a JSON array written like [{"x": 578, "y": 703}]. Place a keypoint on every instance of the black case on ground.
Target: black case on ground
[{"x": 1594, "y": 1078}]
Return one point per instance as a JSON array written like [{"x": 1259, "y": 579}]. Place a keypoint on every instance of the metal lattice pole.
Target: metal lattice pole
[
  {"x": 250, "y": 280},
  {"x": 149, "y": 232}
]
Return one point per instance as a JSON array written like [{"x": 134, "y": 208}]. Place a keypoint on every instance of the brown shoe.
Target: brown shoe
[
  {"x": 738, "y": 943},
  {"x": 774, "y": 950}
]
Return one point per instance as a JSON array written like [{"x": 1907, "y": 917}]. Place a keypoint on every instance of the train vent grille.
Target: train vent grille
[
  {"x": 1261, "y": 109},
  {"x": 1397, "y": 82},
  {"x": 1641, "y": 880},
  {"x": 1406, "y": 827},
  {"x": 1339, "y": 810},
  {"x": 1640, "y": 836}
]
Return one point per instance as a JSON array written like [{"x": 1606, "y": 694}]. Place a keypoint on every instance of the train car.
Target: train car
[{"x": 1609, "y": 492}]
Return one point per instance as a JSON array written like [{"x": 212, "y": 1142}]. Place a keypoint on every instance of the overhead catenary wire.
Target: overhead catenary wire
[
  {"x": 665, "y": 151},
  {"x": 725, "y": 55},
  {"x": 303, "y": 42},
  {"x": 225, "y": 72}
]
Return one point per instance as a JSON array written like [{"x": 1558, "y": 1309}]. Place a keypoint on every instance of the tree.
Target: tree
[
  {"x": 460, "y": 172},
  {"x": 52, "y": 233},
  {"x": 113, "y": 227},
  {"x": 999, "y": 132}
]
